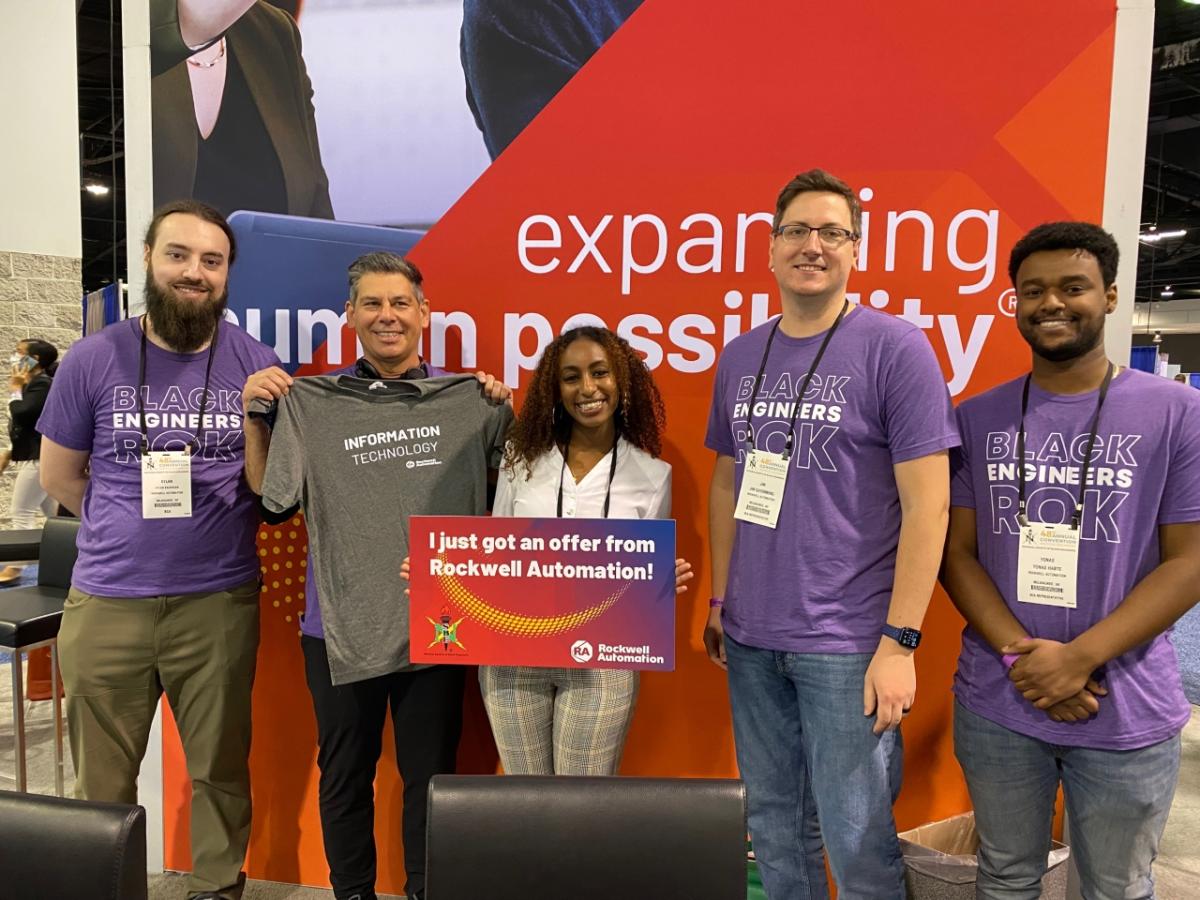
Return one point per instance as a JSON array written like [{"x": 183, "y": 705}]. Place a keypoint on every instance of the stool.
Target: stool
[{"x": 29, "y": 619}]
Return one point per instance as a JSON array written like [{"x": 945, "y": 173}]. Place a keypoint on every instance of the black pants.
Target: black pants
[{"x": 426, "y": 710}]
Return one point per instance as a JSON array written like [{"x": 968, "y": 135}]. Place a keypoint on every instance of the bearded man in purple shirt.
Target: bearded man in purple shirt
[
  {"x": 1074, "y": 545},
  {"x": 142, "y": 438},
  {"x": 827, "y": 515}
]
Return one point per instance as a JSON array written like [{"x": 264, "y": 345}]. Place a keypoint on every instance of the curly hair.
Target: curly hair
[
  {"x": 1085, "y": 236},
  {"x": 543, "y": 423}
]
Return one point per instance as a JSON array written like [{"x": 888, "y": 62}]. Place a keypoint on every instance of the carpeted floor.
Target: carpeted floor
[{"x": 172, "y": 886}]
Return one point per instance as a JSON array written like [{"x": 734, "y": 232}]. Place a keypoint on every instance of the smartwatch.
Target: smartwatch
[{"x": 905, "y": 637}]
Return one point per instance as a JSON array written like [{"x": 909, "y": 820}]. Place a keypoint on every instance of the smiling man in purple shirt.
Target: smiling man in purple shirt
[
  {"x": 1074, "y": 545},
  {"x": 164, "y": 595},
  {"x": 827, "y": 513}
]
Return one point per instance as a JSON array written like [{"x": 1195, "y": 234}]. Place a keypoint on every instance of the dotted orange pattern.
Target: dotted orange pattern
[
  {"x": 505, "y": 622},
  {"x": 282, "y": 551}
]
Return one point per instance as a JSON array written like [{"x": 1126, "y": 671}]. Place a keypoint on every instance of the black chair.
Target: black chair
[
  {"x": 52, "y": 849},
  {"x": 29, "y": 619},
  {"x": 19, "y": 545},
  {"x": 512, "y": 837}
]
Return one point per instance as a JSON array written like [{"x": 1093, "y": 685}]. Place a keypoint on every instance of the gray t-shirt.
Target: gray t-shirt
[{"x": 362, "y": 456}]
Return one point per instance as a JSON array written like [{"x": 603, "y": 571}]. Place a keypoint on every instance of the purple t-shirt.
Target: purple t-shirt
[
  {"x": 92, "y": 406},
  {"x": 821, "y": 581},
  {"x": 1145, "y": 473}
]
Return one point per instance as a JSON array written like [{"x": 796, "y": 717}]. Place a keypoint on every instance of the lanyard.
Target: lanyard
[
  {"x": 787, "y": 451},
  {"x": 1077, "y": 517},
  {"x": 612, "y": 471},
  {"x": 195, "y": 445}
]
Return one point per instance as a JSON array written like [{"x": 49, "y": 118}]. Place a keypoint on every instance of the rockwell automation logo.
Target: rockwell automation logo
[{"x": 581, "y": 651}]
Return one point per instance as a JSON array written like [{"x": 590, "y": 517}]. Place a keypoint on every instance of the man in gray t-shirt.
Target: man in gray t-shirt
[{"x": 361, "y": 454}]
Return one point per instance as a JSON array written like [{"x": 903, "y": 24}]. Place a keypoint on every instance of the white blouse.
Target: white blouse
[{"x": 641, "y": 487}]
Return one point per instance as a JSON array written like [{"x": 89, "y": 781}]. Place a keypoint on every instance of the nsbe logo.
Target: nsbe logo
[
  {"x": 581, "y": 651},
  {"x": 445, "y": 632}
]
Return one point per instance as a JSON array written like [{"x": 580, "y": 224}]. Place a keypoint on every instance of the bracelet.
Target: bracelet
[
  {"x": 716, "y": 603},
  {"x": 1010, "y": 659}
]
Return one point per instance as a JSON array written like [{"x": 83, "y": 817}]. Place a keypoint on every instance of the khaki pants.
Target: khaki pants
[{"x": 118, "y": 655}]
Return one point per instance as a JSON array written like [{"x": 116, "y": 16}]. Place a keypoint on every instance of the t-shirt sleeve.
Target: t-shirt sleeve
[
  {"x": 962, "y": 489},
  {"x": 497, "y": 423},
  {"x": 917, "y": 415},
  {"x": 719, "y": 436},
  {"x": 283, "y": 483},
  {"x": 69, "y": 416},
  {"x": 1181, "y": 494},
  {"x": 267, "y": 357}
]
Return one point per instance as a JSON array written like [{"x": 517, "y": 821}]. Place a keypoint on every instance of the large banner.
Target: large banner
[{"x": 614, "y": 162}]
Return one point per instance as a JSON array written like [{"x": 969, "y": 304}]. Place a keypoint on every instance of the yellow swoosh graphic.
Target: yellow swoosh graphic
[{"x": 505, "y": 622}]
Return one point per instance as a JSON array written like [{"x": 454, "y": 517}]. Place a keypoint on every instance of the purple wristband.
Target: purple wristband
[
  {"x": 716, "y": 603},
  {"x": 1010, "y": 659}
]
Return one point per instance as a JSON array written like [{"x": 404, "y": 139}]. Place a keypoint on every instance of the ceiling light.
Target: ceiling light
[
  {"x": 99, "y": 190},
  {"x": 1153, "y": 236},
  {"x": 1167, "y": 292}
]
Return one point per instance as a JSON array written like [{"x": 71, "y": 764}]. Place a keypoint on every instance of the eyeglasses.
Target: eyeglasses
[{"x": 830, "y": 235}]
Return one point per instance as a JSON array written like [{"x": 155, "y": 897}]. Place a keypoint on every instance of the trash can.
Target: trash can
[{"x": 940, "y": 862}]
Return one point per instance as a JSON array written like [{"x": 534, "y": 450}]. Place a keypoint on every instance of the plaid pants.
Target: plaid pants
[{"x": 559, "y": 721}]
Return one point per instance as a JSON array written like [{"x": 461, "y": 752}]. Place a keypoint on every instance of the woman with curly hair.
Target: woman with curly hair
[{"x": 585, "y": 445}]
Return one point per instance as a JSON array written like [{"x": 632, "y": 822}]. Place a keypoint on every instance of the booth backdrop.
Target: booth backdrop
[{"x": 640, "y": 196}]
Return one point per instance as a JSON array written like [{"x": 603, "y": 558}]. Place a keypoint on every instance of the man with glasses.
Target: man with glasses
[
  {"x": 827, "y": 514},
  {"x": 1070, "y": 571}
]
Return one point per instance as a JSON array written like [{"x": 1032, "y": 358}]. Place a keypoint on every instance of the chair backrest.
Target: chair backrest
[
  {"x": 54, "y": 847},
  {"x": 56, "y": 558},
  {"x": 549, "y": 837}
]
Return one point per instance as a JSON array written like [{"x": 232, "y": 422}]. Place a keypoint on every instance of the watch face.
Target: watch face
[{"x": 909, "y": 637}]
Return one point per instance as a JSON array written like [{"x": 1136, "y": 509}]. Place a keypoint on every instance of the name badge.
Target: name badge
[
  {"x": 167, "y": 484},
  {"x": 1047, "y": 564},
  {"x": 763, "y": 483}
]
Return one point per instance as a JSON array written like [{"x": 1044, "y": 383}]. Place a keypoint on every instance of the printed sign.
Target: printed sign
[{"x": 576, "y": 593}]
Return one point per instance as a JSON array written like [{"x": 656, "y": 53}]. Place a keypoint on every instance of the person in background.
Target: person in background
[{"x": 33, "y": 365}]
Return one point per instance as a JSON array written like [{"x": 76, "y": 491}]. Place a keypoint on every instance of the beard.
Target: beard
[
  {"x": 183, "y": 324},
  {"x": 1087, "y": 341}
]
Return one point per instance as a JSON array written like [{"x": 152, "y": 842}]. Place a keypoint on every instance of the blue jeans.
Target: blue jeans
[
  {"x": 817, "y": 778},
  {"x": 1117, "y": 805}
]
